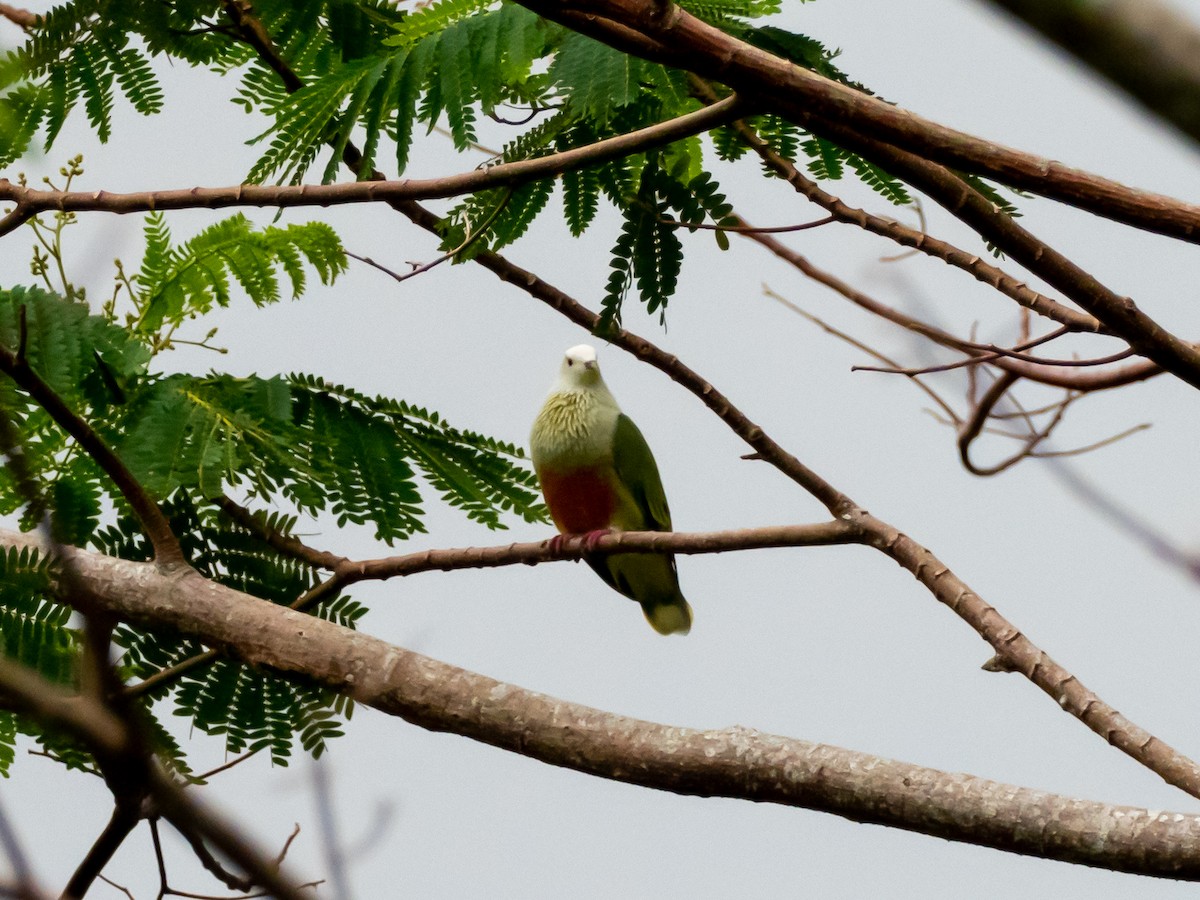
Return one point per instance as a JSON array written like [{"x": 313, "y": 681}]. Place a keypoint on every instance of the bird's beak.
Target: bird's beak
[{"x": 590, "y": 365}]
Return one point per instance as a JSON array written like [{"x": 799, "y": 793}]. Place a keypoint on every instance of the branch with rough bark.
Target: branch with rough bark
[
  {"x": 31, "y": 201},
  {"x": 902, "y": 144},
  {"x": 1014, "y": 648},
  {"x": 730, "y": 762},
  {"x": 114, "y": 741},
  {"x": 155, "y": 525},
  {"x": 666, "y": 33},
  {"x": 1147, "y": 48}
]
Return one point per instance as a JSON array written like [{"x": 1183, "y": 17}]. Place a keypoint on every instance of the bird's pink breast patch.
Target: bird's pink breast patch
[{"x": 580, "y": 500}]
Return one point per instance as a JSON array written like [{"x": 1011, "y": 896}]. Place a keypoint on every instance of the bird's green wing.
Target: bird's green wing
[{"x": 636, "y": 469}]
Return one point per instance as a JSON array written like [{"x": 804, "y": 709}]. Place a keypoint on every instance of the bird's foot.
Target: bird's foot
[{"x": 592, "y": 539}]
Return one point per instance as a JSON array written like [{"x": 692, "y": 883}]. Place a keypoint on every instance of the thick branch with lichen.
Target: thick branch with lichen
[{"x": 731, "y": 762}]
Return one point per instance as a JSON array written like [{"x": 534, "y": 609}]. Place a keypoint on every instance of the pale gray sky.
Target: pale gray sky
[{"x": 833, "y": 645}]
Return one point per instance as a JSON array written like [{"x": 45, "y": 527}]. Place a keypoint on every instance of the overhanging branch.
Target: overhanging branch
[
  {"x": 1144, "y": 47},
  {"x": 666, "y": 33},
  {"x": 30, "y": 201}
]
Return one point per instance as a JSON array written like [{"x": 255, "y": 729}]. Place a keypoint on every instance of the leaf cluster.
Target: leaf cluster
[
  {"x": 251, "y": 708},
  {"x": 178, "y": 283},
  {"x": 294, "y": 440},
  {"x": 367, "y": 73}
]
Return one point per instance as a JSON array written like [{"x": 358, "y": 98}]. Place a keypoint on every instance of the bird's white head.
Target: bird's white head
[{"x": 580, "y": 368}]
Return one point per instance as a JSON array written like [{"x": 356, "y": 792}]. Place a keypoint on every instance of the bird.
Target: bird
[{"x": 598, "y": 475}]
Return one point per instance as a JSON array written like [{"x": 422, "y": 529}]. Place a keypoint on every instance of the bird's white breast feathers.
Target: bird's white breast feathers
[{"x": 574, "y": 428}]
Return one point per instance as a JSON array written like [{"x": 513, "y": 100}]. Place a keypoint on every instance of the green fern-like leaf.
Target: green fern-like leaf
[
  {"x": 479, "y": 475},
  {"x": 657, "y": 259},
  {"x": 306, "y": 119},
  {"x": 581, "y": 194},
  {"x": 878, "y": 180},
  {"x": 433, "y": 20},
  {"x": 991, "y": 192},
  {"x": 597, "y": 79},
  {"x": 728, "y": 144},
  {"x": 78, "y": 355},
  {"x": 8, "y": 742},
  {"x": 33, "y": 624},
  {"x": 719, "y": 11},
  {"x": 177, "y": 283},
  {"x": 798, "y": 48},
  {"x": 620, "y": 278},
  {"x": 825, "y": 159},
  {"x": 782, "y": 136}
]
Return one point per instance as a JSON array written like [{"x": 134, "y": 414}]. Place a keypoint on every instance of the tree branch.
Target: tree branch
[
  {"x": 1006, "y": 639},
  {"x": 1042, "y": 372},
  {"x": 732, "y": 762},
  {"x": 572, "y": 548},
  {"x": 22, "y": 18},
  {"x": 814, "y": 101},
  {"x": 116, "y": 744},
  {"x": 839, "y": 113},
  {"x": 979, "y": 268},
  {"x": 1144, "y": 47},
  {"x": 29, "y": 201},
  {"x": 1119, "y": 314},
  {"x": 125, "y": 818},
  {"x": 167, "y": 551},
  {"x": 282, "y": 543}
]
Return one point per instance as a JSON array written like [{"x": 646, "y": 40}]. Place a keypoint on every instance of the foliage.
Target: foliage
[
  {"x": 175, "y": 284},
  {"x": 359, "y": 77},
  {"x": 370, "y": 73},
  {"x": 251, "y": 708},
  {"x": 190, "y": 439}
]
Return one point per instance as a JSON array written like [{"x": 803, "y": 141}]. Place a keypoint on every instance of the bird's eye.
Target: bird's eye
[{"x": 570, "y": 362}]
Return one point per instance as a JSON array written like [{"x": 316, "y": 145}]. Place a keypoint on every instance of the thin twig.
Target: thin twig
[
  {"x": 120, "y": 887},
  {"x": 854, "y": 342},
  {"x": 1095, "y": 445},
  {"x": 747, "y": 229},
  {"x": 285, "y": 544}
]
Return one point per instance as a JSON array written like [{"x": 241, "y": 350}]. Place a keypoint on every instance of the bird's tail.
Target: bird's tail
[{"x": 670, "y": 617}]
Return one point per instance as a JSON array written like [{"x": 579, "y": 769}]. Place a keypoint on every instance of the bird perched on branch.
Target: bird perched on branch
[{"x": 598, "y": 475}]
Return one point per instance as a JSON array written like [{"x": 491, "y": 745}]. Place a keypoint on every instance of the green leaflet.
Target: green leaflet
[
  {"x": 252, "y": 709},
  {"x": 440, "y": 61},
  {"x": 319, "y": 446},
  {"x": 33, "y": 624},
  {"x": 175, "y": 283},
  {"x": 373, "y": 72},
  {"x": 34, "y": 632},
  {"x": 598, "y": 79},
  {"x": 581, "y": 199},
  {"x": 8, "y": 742}
]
